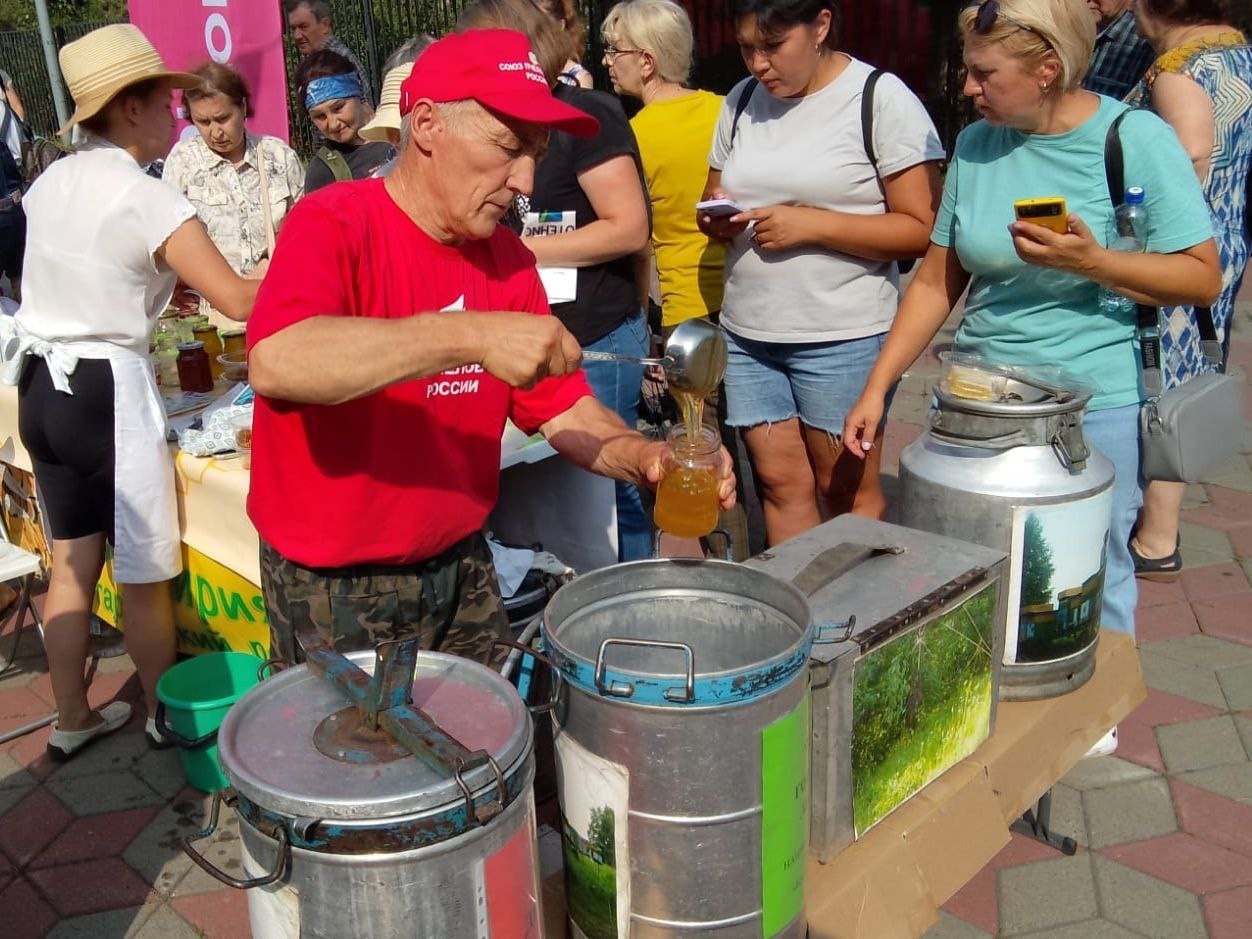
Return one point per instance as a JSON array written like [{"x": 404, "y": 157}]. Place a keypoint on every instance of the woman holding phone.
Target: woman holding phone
[
  {"x": 811, "y": 280},
  {"x": 1033, "y": 293}
]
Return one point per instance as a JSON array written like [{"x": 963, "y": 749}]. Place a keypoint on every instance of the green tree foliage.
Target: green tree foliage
[
  {"x": 912, "y": 698},
  {"x": 1037, "y": 566},
  {"x": 600, "y": 834},
  {"x": 20, "y": 14}
]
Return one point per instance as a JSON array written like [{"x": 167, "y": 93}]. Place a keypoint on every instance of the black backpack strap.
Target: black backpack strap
[
  {"x": 1114, "y": 170},
  {"x": 742, "y": 105},
  {"x": 867, "y": 120}
]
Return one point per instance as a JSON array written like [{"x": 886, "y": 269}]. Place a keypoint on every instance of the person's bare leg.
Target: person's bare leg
[
  {"x": 148, "y": 623},
  {"x": 781, "y": 464},
  {"x": 844, "y": 483},
  {"x": 76, "y": 566},
  {"x": 1156, "y": 535}
]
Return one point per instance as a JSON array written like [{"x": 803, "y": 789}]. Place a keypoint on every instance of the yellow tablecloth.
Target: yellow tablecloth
[{"x": 570, "y": 512}]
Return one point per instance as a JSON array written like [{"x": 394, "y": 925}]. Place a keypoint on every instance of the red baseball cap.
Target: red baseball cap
[{"x": 498, "y": 69}]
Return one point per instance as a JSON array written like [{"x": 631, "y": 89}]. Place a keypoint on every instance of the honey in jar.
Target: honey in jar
[
  {"x": 206, "y": 333},
  {"x": 687, "y": 497},
  {"x": 194, "y": 373},
  {"x": 234, "y": 340}
]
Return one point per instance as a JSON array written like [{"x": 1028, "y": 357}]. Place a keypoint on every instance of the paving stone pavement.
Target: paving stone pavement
[{"x": 91, "y": 849}]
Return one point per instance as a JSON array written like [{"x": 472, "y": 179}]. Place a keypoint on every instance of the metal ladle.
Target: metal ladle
[{"x": 694, "y": 360}]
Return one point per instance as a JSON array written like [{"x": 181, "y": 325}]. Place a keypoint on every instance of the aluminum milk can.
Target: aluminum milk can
[
  {"x": 1015, "y": 473},
  {"x": 348, "y": 833},
  {"x": 682, "y": 742}
]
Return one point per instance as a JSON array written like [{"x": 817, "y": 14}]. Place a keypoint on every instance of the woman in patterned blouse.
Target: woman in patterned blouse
[{"x": 241, "y": 184}]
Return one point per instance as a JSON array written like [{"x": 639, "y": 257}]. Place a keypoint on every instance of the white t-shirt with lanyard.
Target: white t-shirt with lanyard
[
  {"x": 810, "y": 151},
  {"x": 92, "y": 288}
]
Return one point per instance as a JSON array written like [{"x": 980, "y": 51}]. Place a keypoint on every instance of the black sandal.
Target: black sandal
[{"x": 1161, "y": 570}]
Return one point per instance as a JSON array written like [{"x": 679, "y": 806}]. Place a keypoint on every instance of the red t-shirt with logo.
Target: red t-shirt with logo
[{"x": 402, "y": 474}]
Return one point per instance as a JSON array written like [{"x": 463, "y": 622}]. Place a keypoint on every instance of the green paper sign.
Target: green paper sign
[{"x": 784, "y": 818}]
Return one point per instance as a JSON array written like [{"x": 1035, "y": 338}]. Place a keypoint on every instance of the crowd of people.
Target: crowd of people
[{"x": 487, "y": 182}]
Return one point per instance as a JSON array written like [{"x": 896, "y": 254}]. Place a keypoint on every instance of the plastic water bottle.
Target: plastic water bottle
[{"x": 1131, "y": 234}]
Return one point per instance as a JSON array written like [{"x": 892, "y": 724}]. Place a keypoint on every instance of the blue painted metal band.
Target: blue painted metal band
[
  {"x": 334, "y": 836},
  {"x": 741, "y": 687}
]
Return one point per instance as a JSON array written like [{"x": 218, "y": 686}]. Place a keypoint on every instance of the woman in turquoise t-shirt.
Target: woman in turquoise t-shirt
[{"x": 1033, "y": 294}]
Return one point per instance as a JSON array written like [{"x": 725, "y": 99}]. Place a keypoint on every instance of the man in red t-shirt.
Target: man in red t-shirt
[{"x": 399, "y": 325}]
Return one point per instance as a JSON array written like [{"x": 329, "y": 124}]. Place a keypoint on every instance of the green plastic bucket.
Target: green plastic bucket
[{"x": 194, "y": 697}]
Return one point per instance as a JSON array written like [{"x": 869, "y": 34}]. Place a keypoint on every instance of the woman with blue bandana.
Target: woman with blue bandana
[{"x": 331, "y": 90}]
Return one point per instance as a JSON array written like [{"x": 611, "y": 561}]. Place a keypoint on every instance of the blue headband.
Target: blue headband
[{"x": 332, "y": 87}]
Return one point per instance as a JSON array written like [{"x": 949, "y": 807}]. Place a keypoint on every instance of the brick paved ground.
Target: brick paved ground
[{"x": 90, "y": 849}]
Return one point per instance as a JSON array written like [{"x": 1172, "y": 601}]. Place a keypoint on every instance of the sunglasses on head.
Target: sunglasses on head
[{"x": 989, "y": 13}]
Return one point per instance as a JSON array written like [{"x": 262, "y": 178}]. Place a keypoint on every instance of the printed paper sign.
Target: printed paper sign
[
  {"x": 560, "y": 283},
  {"x": 784, "y": 817},
  {"x": 1056, "y": 578},
  {"x": 594, "y": 801}
]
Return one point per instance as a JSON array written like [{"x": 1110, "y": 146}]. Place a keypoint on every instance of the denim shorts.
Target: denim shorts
[{"x": 768, "y": 382}]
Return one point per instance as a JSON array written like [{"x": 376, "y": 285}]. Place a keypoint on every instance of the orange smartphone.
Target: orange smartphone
[{"x": 1050, "y": 212}]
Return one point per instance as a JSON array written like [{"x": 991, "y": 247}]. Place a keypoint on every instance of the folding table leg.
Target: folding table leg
[{"x": 1036, "y": 823}]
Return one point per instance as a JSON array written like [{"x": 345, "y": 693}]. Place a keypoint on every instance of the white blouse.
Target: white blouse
[{"x": 95, "y": 221}]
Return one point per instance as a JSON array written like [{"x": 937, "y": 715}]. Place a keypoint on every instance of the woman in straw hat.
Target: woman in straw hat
[
  {"x": 106, "y": 245},
  {"x": 242, "y": 184}
]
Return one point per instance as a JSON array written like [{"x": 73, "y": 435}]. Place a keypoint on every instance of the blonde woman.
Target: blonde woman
[
  {"x": 648, "y": 50},
  {"x": 1033, "y": 294}
]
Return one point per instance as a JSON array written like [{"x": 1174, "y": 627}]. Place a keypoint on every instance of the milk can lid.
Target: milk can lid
[{"x": 274, "y": 747}]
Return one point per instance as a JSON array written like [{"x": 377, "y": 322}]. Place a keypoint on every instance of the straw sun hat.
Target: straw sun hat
[
  {"x": 106, "y": 61},
  {"x": 388, "y": 114}
]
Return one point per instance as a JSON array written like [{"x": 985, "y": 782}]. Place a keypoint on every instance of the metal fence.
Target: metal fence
[
  {"x": 916, "y": 39},
  {"x": 21, "y": 55}
]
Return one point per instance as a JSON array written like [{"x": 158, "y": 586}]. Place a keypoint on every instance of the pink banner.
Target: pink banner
[{"x": 247, "y": 34}]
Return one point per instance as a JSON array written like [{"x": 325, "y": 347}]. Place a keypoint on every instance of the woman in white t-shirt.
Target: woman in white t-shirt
[
  {"x": 106, "y": 245},
  {"x": 811, "y": 279}
]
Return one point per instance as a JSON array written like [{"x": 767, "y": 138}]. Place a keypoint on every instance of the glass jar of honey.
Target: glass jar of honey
[
  {"x": 206, "y": 333},
  {"x": 687, "y": 500},
  {"x": 234, "y": 340},
  {"x": 194, "y": 372}
]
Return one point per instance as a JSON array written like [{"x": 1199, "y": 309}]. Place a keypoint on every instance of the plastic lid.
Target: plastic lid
[
  {"x": 1134, "y": 195},
  {"x": 190, "y": 346}
]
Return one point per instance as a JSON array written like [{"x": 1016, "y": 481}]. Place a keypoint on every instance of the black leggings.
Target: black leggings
[{"x": 70, "y": 441}]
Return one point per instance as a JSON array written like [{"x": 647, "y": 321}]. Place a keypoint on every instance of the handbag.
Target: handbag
[{"x": 1188, "y": 430}]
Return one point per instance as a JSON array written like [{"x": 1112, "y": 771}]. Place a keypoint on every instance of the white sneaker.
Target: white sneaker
[
  {"x": 1105, "y": 746},
  {"x": 64, "y": 744}
]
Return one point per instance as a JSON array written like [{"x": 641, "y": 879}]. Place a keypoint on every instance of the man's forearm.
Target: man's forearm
[
  {"x": 333, "y": 359},
  {"x": 595, "y": 438}
]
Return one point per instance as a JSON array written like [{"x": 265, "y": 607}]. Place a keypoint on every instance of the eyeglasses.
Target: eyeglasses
[
  {"x": 989, "y": 13},
  {"x": 612, "y": 52}
]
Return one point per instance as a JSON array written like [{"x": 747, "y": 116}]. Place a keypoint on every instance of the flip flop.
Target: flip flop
[
  {"x": 1161, "y": 570},
  {"x": 66, "y": 744}
]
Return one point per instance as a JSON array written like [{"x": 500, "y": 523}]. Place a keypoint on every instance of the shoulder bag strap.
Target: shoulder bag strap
[
  {"x": 742, "y": 105},
  {"x": 338, "y": 165},
  {"x": 867, "y": 120},
  {"x": 1147, "y": 322},
  {"x": 267, "y": 210},
  {"x": 1147, "y": 317}
]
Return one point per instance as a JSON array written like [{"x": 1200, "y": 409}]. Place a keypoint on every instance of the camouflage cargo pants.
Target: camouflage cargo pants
[{"x": 451, "y": 602}]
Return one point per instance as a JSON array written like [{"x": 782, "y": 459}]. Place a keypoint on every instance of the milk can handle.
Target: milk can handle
[
  {"x": 536, "y": 709},
  {"x": 626, "y": 690},
  {"x": 280, "y": 864}
]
